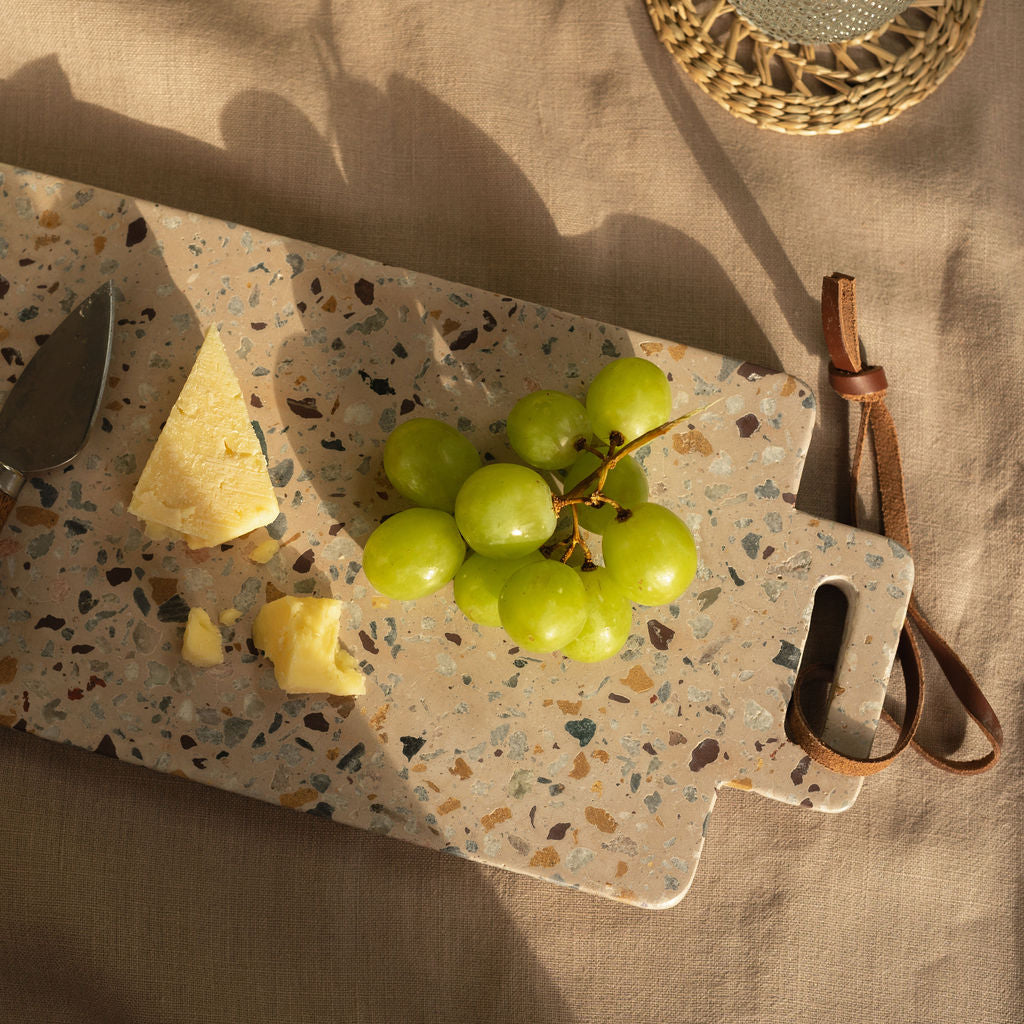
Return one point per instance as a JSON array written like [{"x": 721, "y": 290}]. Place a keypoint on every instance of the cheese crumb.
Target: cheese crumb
[
  {"x": 300, "y": 636},
  {"x": 264, "y": 552},
  {"x": 202, "y": 644},
  {"x": 229, "y": 616}
]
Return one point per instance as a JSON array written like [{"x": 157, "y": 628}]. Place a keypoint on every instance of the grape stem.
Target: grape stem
[
  {"x": 581, "y": 495},
  {"x": 575, "y": 540},
  {"x": 616, "y": 451}
]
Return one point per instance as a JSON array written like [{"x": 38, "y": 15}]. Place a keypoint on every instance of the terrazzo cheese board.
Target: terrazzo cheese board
[{"x": 598, "y": 776}]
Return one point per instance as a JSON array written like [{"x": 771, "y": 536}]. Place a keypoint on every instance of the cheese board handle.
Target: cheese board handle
[{"x": 876, "y": 576}]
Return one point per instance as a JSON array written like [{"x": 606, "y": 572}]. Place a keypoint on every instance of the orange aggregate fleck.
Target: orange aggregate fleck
[
  {"x": 600, "y": 819},
  {"x": 692, "y": 442},
  {"x": 638, "y": 680},
  {"x": 496, "y": 817},
  {"x": 547, "y": 857},
  {"x": 301, "y": 796}
]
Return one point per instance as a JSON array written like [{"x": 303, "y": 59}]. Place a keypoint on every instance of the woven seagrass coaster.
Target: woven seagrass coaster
[{"x": 810, "y": 89}]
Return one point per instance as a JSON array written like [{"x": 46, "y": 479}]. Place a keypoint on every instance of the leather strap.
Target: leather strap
[{"x": 867, "y": 386}]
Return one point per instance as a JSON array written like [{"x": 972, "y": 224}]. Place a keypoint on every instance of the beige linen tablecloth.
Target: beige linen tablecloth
[{"x": 553, "y": 151}]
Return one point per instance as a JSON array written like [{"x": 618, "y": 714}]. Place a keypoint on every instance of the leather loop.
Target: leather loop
[
  {"x": 868, "y": 387},
  {"x": 865, "y": 385}
]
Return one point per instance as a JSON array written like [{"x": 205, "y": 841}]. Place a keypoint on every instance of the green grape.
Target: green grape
[
  {"x": 651, "y": 555},
  {"x": 625, "y": 484},
  {"x": 478, "y": 584},
  {"x": 629, "y": 395},
  {"x": 427, "y": 461},
  {"x": 544, "y": 427},
  {"x": 609, "y": 619},
  {"x": 543, "y": 606},
  {"x": 413, "y": 553},
  {"x": 505, "y": 510}
]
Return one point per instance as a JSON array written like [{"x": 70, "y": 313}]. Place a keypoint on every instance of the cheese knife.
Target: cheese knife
[{"x": 48, "y": 413}]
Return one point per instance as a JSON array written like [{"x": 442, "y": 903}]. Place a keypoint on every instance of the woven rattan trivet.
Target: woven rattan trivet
[{"x": 812, "y": 90}]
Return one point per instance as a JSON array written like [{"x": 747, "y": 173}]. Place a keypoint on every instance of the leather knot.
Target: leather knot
[{"x": 866, "y": 385}]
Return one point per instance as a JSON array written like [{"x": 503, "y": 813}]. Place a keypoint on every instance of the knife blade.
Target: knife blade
[{"x": 50, "y": 410}]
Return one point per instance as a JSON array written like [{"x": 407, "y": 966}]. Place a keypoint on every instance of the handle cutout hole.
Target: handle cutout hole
[{"x": 821, "y": 652}]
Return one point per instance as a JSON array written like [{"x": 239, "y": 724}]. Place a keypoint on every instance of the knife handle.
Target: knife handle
[{"x": 10, "y": 484}]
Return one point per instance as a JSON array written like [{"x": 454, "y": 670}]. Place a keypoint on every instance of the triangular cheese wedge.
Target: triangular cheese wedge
[{"x": 206, "y": 481}]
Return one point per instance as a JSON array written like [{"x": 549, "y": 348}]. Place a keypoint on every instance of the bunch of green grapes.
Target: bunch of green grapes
[{"x": 530, "y": 569}]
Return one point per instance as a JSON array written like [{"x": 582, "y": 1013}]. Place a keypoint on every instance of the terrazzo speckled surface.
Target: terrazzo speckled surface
[{"x": 600, "y": 777}]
